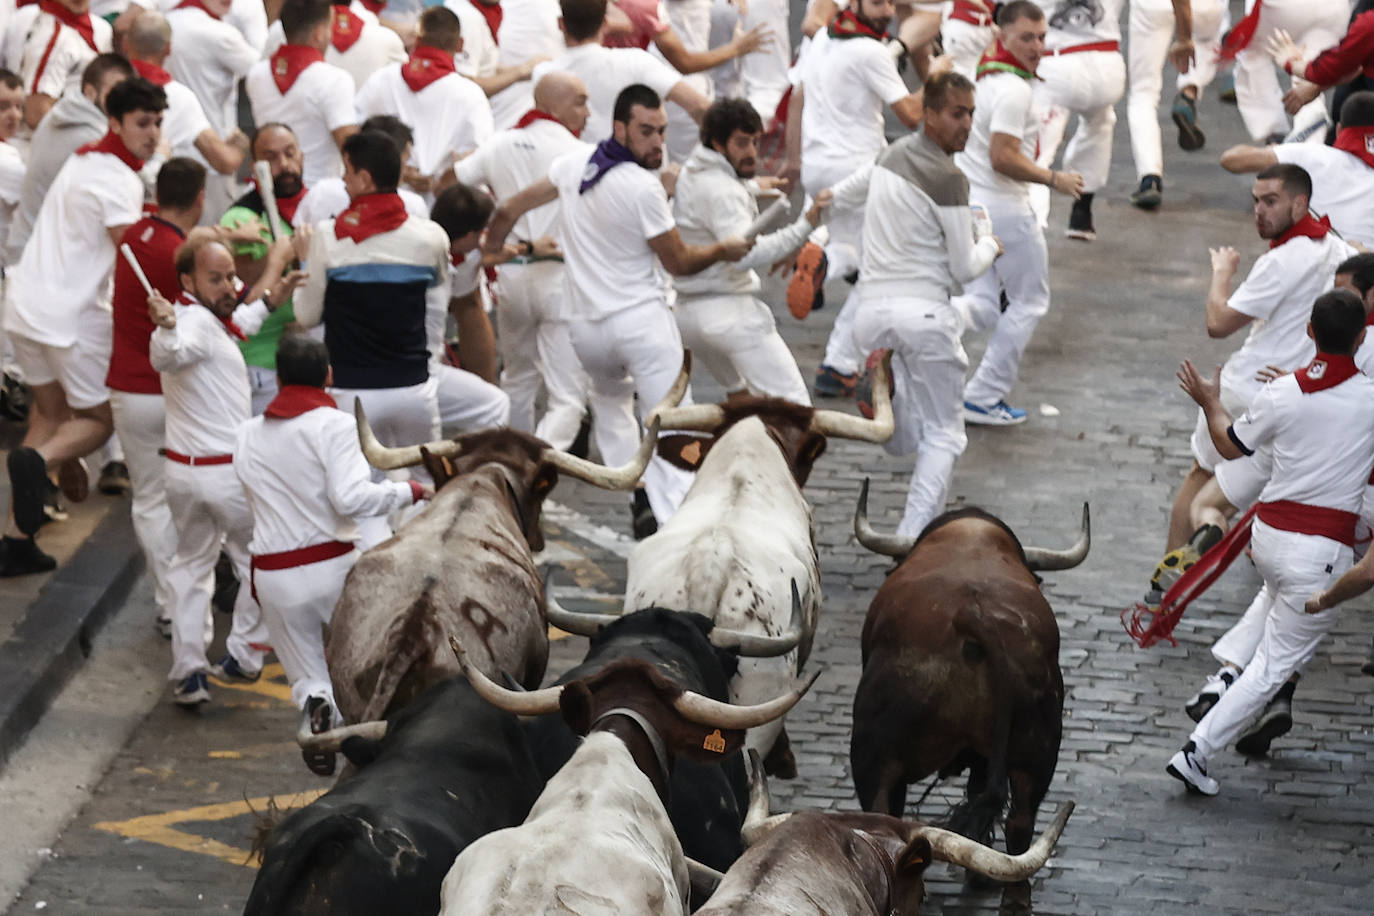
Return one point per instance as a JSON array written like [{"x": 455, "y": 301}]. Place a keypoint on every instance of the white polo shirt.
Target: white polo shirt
[
  {"x": 1003, "y": 103},
  {"x": 209, "y": 57},
  {"x": 11, "y": 187},
  {"x": 375, "y": 47},
  {"x": 515, "y": 159},
  {"x": 607, "y": 71},
  {"x": 1342, "y": 187},
  {"x": 847, "y": 82},
  {"x": 608, "y": 263},
  {"x": 319, "y": 102},
  {"x": 450, "y": 115},
  {"x": 63, "y": 278},
  {"x": 479, "y": 56},
  {"x": 184, "y": 120},
  {"x": 529, "y": 28},
  {"x": 47, "y": 55}
]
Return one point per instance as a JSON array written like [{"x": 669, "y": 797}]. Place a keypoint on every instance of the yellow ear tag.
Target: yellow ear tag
[{"x": 714, "y": 743}]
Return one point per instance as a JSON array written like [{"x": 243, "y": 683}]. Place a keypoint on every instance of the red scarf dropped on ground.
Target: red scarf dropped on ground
[
  {"x": 347, "y": 28},
  {"x": 999, "y": 60},
  {"x": 294, "y": 400},
  {"x": 1357, "y": 141},
  {"x": 426, "y": 66},
  {"x": 1307, "y": 227},
  {"x": 151, "y": 72},
  {"x": 369, "y": 215},
  {"x": 1326, "y": 371},
  {"x": 849, "y": 25},
  {"x": 78, "y": 22},
  {"x": 290, "y": 62},
  {"x": 110, "y": 143}
]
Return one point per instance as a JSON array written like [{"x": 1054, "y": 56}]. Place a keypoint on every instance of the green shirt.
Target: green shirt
[{"x": 259, "y": 349}]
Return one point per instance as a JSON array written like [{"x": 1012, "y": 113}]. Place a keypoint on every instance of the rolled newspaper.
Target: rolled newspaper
[
  {"x": 128, "y": 253},
  {"x": 263, "y": 173},
  {"x": 767, "y": 218}
]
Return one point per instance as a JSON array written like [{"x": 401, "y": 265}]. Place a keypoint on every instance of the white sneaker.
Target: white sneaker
[
  {"x": 1190, "y": 768},
  {"x": 1210, "y": 694}
]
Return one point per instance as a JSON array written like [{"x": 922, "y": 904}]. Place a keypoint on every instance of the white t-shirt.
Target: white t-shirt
[
  {"x": 210, "y": 57},
  {"x": 1342, "y": 187},
  {"x": 183, "y": 121},
  {"x": 529, "y": 28},
  {"x": 50, "y": 64},
  {"x": 847, "y": 83},
  {"x": 11, "y": 187},
  {"x": 608, "y": 263},
  {"x": 1004, "y": 103},
  {"x": 376, "y": 47},
  {"x": 515, "y": 159},
  {"x": 450, "y": 115},
  {"x": 1078, "y": 22},
  {"x": 1278, "y": 293},
  {"x": 319, "y": 102},
  {"x": 63, "y": 278},
  {"x": 247, "y": 17},
  {"x": 479, "y": 56},
  {"x": 329, "y": 198},
  {"x": 607, "y": 71}
]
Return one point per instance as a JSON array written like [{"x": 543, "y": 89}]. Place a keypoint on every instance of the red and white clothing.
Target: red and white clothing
[
  {"x": 329, "y": 198},
  {"x": 529, "y": 29},
  {"x": 1342, "y": 180},
  {"x": 184, "y": 120},
  {"x": 607, "y": 71},
  {"x": 297, "y": 87},
  {"x": 1356, "y": 49},
  {"x": 360, "y": 45},
  {"x": 306, "y": 481},
  {"x": 763, "y": 73},
  {"x": 1313, "y": 24},
  {"x": 205, "y": 383},
  {"x": 965, "y": 35},
  {"x": 49, "y": 47},
  {"x": 480, "y": 56}
]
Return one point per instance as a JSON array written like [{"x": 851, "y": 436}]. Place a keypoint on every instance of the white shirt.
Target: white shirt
[
  {"x": 847, "y": 83},
  {"x": 204, "y": 378},
  {"x": 608, "y": 264},
  {"x": 11, "y": 187},
  {"x": 450, "y": 115},
  {"x": 529, "y": 28},
  {"x": 328, "y": 198},
  {"x": 318, "y": 103},
  {"x": 1077, "y": 22},
  {"x": 47, "y": 66},
  {"x": 210, "y": 57},
  {"x": 515, "y": 159},
  {"x": 479, "y": 56},
  {"x": 1278, "y": 293},
  {"x": 247, "y": 17},
  {"x": 306, "y": 480},
  {"x": 376, "y": 47},
  {"x": 1004, "y": 103},
  {"x": 1342, "y": 187},
  {"x": 607, "y": 71},
  {"x": 184, "y": 120},
  {"x": 63, "y": 278}
]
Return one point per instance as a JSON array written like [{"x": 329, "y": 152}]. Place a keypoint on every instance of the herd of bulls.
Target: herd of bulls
[{"x": 623, "y": 788}]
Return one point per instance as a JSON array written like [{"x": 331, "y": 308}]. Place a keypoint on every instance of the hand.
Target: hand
[
  {"x": 1286, "y": 52},
  {"x": 791, "y": 176},
  {"x": 160, "y": 311},
  {"x": 238, "y": 138},
  {"x": 1225, "y": 260},
  {"x": 939, "y": 66},
  {"x": 276, "y": 298},
  {"x": 770, "y": 182},
  {"x": 1182, "y": 54},
  {"x": 669, "y": 177},
  {"x": 1314, "y": 604},
  {"x": 426, "y": 492},
  {"x": 748, "y": 42},
  {"x": 1000, "y": 249},
  {"x": 1269, "y": 373},
  {"x": 546, "y": 246},
  {"x": 300, "y": 240},
  {"x": 250, "y": 230},
  {"x": 527, "y": 68},
  {"x": 1070, "y": 183},
  {"x": 1196, "y": 387},
  {"x": 823, "y": 199},
  {"x": 735, "y": 247},
  {"x": 741, "y": 7},
  {"x": 418, "y": 182},
  {"x": 1301, "y": 93}
]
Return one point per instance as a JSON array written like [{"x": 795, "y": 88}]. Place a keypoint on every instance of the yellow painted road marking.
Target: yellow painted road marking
[{"x": 267, "y": 685}]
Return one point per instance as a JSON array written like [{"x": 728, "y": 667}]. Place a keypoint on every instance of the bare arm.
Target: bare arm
[
  {"x": 689, "y": 100},
  {"x": 1243, "y": 158},
  {"x": 506, "y": 77},
  {"x": 35, "y": 107},
  {"x": 819, "y": 16},
  {"x": 684, "y": 61},
  {"x": 1357, "y": 580},
  {"x": 1222, "y": 320},
  {"x": 792, "y": 136},
  {"x": 910, "y": 109},
  {"x": 224, "y": 156},
  {"x": 117, "y": 233},
  {"x": 1182, "y": 53},
  {"x": 512, "y": 208},
  {"x": 681, "y": 259},
  {"x": 341, "y": 134},
  {"x": 1007, "y": 159},
  {"x": 1207, "y": 395}
]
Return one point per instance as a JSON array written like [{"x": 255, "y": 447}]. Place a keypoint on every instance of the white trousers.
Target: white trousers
[
  {"x": 965, "y": 42},
  {"x": 844, "y": 253},
  {"x": 398, "y": 416},
  {"x": 262, "y": 383},
  {"x": 635, "y": 351},
  {"x": 208, "y": 508},
  {"x": 1316, "y": 24},
  {"x": 928, "y": 366},
  {"x": 466, "y": 402},
  {"x": 297, "y": 604},
  {"x": 1151, "y": 29},
  {"x": 536, "y": 349},
  {"x": 140, "y": 421},
  {"x": 1023, "y": 271},
  {"x": 763, "y": 74},
  {"x": 736, "y": 338},
  {"x": 1087, "y": 84},
  {"x": 1284, "y": 638}
]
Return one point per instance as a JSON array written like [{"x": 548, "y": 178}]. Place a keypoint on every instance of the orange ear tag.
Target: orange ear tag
[
  {"x": 691, "y": 452},
  {"x": 714, "y": 742}
]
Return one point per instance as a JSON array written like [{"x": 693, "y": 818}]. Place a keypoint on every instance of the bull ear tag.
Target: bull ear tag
[
  {"x": 691, "y": 452},
  {"x": 715, "y": 743}
]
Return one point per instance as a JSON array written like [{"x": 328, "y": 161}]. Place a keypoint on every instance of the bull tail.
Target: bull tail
[{"x": 408, "y": 640}]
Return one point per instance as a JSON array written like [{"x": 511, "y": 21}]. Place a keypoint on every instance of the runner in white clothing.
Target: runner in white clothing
[
  {"x": 966, "y": 33},
  {"x": 528, "y": 35},
  {"x": 358, "y": 44},
  {"x": 49, "y": 45}
]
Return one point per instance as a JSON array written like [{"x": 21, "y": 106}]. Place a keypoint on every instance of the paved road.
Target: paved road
[{"x": 169, "y": 827}]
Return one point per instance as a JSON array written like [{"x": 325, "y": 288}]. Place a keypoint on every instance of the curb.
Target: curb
[{"x": 54, "y": 636}]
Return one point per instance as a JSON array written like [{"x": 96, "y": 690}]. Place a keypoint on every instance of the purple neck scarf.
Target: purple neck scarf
[{"x": 607, "y": 155}]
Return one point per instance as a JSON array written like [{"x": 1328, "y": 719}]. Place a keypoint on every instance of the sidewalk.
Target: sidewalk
[{"x": 46, "y": 621}]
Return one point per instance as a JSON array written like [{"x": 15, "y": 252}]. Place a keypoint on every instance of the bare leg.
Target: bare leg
[
  {"x": 1181, "y": 519},
  {"x": 1210, "y": 507}
]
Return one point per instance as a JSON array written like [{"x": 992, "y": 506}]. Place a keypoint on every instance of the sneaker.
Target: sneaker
[
  {"x": 231, "y": 672},
  {"x": 1227, "y": 95},
  {"x": 1190, "y": 136},
  {"x": 1081, "y": 220},
  {"x": 1181, "y": 559},
  {"x": 1276, "y": 720},
  {"x": 1189, "y": 767},
  {"x": 642, "y": 519},
  {"x": 21, "y": 557},
  {"x": 320, "y": 716},
  {"x": 15, "y": 398},
  {"x": 226, "y": 592},
  {"x": 193, "y": 690},
  {"x": 999, "y": 414},
  {"x": 805, "y": 290},
  {"x": 1150, "y": 194},
  {"x": 582, "y": 442},
  {"x": 832, "y": 383},
  {"x": 54, "y": 509},
  {"x": 28, "y": 484},
  {"x": 114, "y": 479},
  {"x": 74, "y": 480},
  {"x": 1211, "y": 693},
  {"x": 164, "y": 626},
  {"x": 863, "y": 392}
]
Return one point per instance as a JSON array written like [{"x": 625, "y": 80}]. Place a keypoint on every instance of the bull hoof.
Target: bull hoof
[
  {"x": 1016, "y": 900},
  {"x": 780, "y": 764}
]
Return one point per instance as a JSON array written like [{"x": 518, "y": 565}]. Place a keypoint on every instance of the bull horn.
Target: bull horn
[
  {"x": 754, "y": 645},
  {"x": 522, "y": 703},
  {"x": 385, "y": 458},
  {"x": 705, "y": 711},
  {"x": 750, "y": 834},
  {"x": 1042, "y": 560},
  {"x": 574, "y": 622},
  {"x": 847, "y": 426},
  {"x": 892, "y": 545},
  {"x": 760, "y": 804},
  {"x": 332, "y": 740},
  {"x": 701, "y": 418},
  {"x": 678, "y": 390},
  {"x": 621, "y": 478},
  {"x": 948, "y": 846},
  {"x": 704, "y": 879}
]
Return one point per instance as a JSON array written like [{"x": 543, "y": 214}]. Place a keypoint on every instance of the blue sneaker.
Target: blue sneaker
[
  {"x": 1184, "y": 112},
  {"x": 193, "y": 690},
  {"x": 999, "y": 414},
  {"x": 231, "y": 672}
]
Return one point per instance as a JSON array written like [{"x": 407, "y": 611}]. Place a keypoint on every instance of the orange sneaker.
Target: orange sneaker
[{"x": 804, "y": 290}]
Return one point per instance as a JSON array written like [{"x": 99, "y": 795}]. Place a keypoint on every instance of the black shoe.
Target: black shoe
[
  {"x": 1081, "y": 219},
  {"x": 54, "y": 509},
  {"x": 1276, "y": 720},
  {"x": 114, "y": 479},
  {"x": 320, "y": 717},
  {"x": 28, "y": 485},
  {"x": 226, "y": 585},
  {"x": 21, "y": 557},
  {"x": 1150, "y": 194},
  {"x": 642, "y": 516},
  {"x": 582, "y": 441},
  {"x": 1184, "y": 112}
]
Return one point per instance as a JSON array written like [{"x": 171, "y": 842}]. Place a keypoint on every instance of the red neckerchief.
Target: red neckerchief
[
  {"x": 197, "y": 4},
  {"x": 491, "y": 12},
  {"x": 290, "y": 62},
  {"x": 1357, "y": 141},
  {"x": 999, "y": 60},
  {"x": 78, "y": 22},
  {"x": 294, "y": 400},
  {"x": 1326, "y": 371},
  {"x": 1236, "y": 40},
  {"x": 347, "y": 28},
  {"x": 534, "y": 114},
  {"x": 286, "y": 206},
  {"x": 369, "y": 215},
  {"x": 229, "y": 327},
  {"x": 849, "y": 25},
  {"x": 425, "y": 66},
  {"x": 1308, "y": 227},
  {"x": 374, "y": 7},
  {"x": 151, "y": 72},
  {"x": 110, "y": 143}
]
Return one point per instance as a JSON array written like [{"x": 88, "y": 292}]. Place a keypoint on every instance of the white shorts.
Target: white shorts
[
  {"x": 1204, "y": 452},
  {"x": 80, "y": 369}
]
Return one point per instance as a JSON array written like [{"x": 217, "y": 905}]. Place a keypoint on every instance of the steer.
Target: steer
[
  {"x": 598, "y": 839},
  {"x": 442, "y": 772},
  {"x": 744, "y": 533},
  {"x": 961, "y": 670}
]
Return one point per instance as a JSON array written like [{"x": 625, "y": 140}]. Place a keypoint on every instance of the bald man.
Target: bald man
[{"x": 535, "y": 345}]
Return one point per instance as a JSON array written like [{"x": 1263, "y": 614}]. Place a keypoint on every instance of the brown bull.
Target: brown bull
[{"x": 961, "y": 670}]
